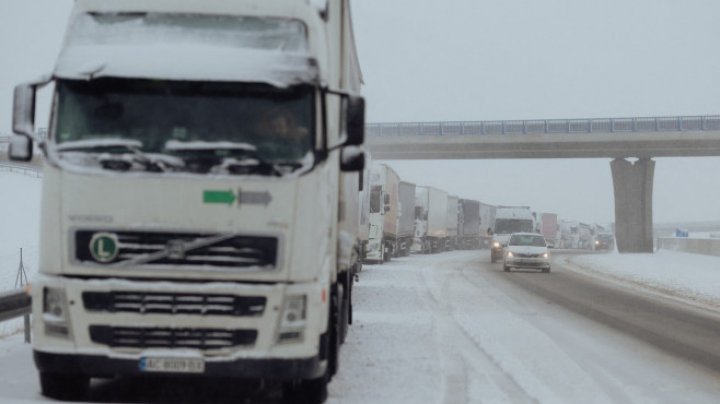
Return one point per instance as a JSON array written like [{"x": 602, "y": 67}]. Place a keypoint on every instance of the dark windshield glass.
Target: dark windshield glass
[
  {"x": 375, "y": 199},
  {"x": 527, "y": 240},
  {"x": 278, "y": 123}
]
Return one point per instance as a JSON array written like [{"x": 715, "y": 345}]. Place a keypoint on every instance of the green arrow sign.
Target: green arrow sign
[{"x": 227, "y": 197}]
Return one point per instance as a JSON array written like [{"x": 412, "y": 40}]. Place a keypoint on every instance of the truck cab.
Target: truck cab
[{"x": 194, "y": 219}]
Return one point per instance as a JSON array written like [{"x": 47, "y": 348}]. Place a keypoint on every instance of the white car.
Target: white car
[{"x": 526, "y": 250}]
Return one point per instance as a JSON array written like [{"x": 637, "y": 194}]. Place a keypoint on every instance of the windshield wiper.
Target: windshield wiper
[{"x": 236, "y": 158}]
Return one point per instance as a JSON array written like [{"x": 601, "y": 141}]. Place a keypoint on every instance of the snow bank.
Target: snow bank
[{"x": 691, "y": 277}]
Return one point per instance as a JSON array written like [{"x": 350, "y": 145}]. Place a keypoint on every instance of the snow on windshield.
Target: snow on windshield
[{"x": 155, "y": 28}]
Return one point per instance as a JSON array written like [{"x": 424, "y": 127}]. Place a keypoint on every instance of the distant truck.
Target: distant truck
[
  {"x": 547, "y": 225},
  {"x": 384, "y": 207},
  {"x": 469, "y": 224},
  {"x": 430, "y": 220},
  {"x": 487, "y": 224},
  {"x": 452, "y": 222},
  {"x": 406, "y": 219},
  {"x": 508, "y": 220}
]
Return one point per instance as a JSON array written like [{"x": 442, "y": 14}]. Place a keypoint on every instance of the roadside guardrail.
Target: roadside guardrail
[
  {"x": 704, "y": 246},
  {"x": 29, "y": 171},
  {"x": 14, "y": 304}
]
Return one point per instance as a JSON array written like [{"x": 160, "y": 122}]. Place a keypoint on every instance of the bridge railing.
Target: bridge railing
[{"x": 548, "y": 126}]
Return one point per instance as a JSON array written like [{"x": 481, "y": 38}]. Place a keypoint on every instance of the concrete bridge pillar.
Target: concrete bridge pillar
[{"x": 633, "y": 183}]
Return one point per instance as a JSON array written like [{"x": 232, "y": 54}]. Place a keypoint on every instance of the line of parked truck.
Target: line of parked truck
[
  {"x": 402, "y": 217},
  {"x": 399, "y": 217}
]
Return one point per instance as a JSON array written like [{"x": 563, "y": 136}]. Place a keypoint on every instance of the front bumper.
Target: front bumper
[
  {"x": 101, "y": 366},
  {"x": 128, "y": 334},
  {"x": 527, "y": 262}
]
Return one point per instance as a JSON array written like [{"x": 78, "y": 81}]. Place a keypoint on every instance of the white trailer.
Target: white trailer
[
  {"x": 430, "y": 219},
  {"x": 197, "y": 213},
  {"x": 451, "y": 221},
  {"x": 384, "y": 213},
  {"x": 406, "y": 218},
  {"x": 469, "y": 228},
  {"x": 487, "y": 223}
]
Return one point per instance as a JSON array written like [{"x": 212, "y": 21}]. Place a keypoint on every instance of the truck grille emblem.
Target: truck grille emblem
[
  {"x": 104, "y": 247},
  {"x": 175, "y": 249}
]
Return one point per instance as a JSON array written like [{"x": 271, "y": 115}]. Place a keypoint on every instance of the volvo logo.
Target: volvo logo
[
  {"x": 104, "y": 247},
  {"x": 175, "y": 249}
]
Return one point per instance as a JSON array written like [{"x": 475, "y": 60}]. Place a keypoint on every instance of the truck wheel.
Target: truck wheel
[
  {"x": 492, "y": 259},
  {"x": 64, "y": 387},
  {"x": 344, "y": 310}
]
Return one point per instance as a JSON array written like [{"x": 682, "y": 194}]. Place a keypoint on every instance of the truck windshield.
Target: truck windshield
[
  {"x": 527, "y": 240},
  {"x": 203, "y": 124},
  {"x": 507, "y": 226}
]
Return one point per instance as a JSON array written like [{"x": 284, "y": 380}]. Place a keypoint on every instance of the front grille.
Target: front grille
[
  {"x": 174, "y": 303},
  {"x": 527, "y": 255},
  {"x": 197, "y": 338},
  {"x": 183, "y": 249}
]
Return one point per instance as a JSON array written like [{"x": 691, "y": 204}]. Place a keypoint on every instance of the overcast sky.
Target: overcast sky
[{"x": 500, "y": 59}]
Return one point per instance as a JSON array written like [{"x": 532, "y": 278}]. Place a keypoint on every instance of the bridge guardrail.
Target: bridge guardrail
[
  {"x": 29, "y": 171},
  {"x": 548, "y": 126}
]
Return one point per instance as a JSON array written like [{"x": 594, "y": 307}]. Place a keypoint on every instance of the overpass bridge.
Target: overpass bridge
[
  {"x": 617, "y": 138},
  {"x": 681, "y": 136}
]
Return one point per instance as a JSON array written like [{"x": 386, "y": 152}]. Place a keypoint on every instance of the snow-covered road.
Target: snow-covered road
[{"x": 452, "y": 328}]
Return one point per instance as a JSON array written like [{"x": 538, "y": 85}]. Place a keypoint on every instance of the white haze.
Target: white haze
[{"x": 486, "y": 60}]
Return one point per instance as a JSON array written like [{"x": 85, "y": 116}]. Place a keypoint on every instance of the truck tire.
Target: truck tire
[{"x": 64, "y": 387}]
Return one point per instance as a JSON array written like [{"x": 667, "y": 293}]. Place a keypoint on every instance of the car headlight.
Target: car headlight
[
  {"x": 496, "y": 244},
  {"x": 293, "y": 316},
  {"x": 510, "y": 254},
  {"x": 597, "y": 242},
  {"x": 55, "y": 312},
  {"x": 546, "y": 255}
]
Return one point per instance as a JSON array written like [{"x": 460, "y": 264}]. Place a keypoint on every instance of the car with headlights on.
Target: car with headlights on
[{"x": 526, "y": 250}]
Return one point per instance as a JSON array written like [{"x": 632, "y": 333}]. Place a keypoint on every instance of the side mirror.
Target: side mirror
[
  {"x": 24, "y": 110},
  {"x": 352, "y": 159},
  {"x": 355, "y": 120},
  {"x": 21, "y": 148}
]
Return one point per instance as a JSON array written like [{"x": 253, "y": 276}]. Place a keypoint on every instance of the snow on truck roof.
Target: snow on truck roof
[
  {"x": 101, "y": 44},
  {"x": 510, "y": 212}
]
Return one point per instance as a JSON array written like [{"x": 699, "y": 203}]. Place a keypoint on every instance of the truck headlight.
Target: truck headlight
[
  {"x": 55, "y": 312},
  {"x": 496, "y": 244},
  {"x": 293, "y": 316}
]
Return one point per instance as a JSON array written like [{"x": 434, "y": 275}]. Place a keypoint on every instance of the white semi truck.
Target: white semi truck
[
  {"x": 508, "y": 220},
  {"x": 195, "y": 218},
  {"x": 384, "y": 209}
]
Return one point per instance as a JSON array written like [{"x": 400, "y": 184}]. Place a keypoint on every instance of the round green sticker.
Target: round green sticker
[{"x": 104, "y": 247}]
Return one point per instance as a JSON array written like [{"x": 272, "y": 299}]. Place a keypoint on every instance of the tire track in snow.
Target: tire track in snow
[{"x": 459, "y": 351}]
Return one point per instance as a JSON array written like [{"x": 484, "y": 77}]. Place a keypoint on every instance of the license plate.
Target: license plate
[{"x": 172, "y": 365}]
